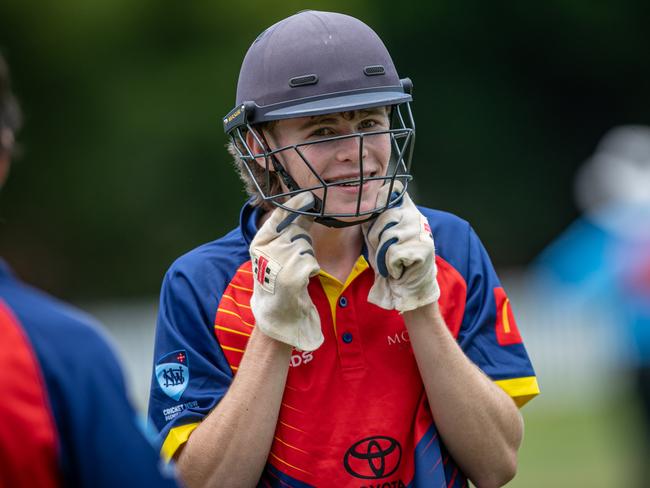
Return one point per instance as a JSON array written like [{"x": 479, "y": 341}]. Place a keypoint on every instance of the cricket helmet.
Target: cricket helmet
[{"x": 316, "y": 63}]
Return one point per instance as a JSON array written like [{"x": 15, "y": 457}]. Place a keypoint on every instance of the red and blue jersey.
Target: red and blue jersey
[
  {"x": 354, "y": 412},
  {"x": 65, "y": 419}
]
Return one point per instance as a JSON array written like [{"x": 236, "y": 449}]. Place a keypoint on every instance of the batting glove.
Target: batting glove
[
  {"x": 402, "y": 253},
  {"x": 283, "y": 261}
]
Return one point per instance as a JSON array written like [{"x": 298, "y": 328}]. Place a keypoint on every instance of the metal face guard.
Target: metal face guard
[{"x": 402, "y": 140}]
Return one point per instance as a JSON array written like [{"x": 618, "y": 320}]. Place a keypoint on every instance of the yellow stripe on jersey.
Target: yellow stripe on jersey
[
  {"x": 289, "y": 445},
  {"x": 521, "y": 390},
  {"x": 176, "y": 437},
  {"x": 229, "y": 312},
  {"x": 291, "y": 426},
  {"x": 241, "y": 305},
  {"x": 504, "y": 314},
  {"x": 291, "y": 408},
  {"x": 226, "y": 329},
  {"x": 242, "y": 288},
  {"x": 290, "y": 465}
]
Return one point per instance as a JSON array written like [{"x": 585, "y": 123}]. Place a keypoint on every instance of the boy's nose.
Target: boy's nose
[{"x": 351, "y": 149}]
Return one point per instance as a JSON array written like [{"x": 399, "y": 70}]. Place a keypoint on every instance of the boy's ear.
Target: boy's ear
[
  {"x": 257, "y": 145},
  {"x": 253, "y": 142}
]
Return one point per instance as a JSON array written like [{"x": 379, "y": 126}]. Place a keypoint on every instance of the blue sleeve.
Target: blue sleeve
[
  {"x": 108, "y": 444},
  {"x": 190, "y": 373},
  {"x": 101, "y": 442},
  {"x": 489, "y": 334}
]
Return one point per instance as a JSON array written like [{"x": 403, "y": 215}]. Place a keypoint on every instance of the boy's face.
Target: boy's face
[{"x": 339, "y": 159}]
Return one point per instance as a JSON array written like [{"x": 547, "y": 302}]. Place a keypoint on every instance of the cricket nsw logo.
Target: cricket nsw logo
[
  {"x": 173, "y": 374},
  {"x": 265, "y": 271}
]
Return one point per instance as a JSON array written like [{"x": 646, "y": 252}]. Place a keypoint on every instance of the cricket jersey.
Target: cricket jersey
[
  {"x": 65, "y": 419},
  {"x": 354, "y": 411}
]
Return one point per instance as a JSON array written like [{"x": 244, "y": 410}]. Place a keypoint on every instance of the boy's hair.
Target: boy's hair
[
  {"x": 10, "y": 115},
  {"x": 258, "y": 172}
]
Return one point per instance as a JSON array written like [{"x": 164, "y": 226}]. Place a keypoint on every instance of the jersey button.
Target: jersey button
[
  {"x": 343, "y": 302},
  {"x": 347, "y": 337}
]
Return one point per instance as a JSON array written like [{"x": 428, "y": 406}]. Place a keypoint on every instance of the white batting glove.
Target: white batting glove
[
  {"x": 283, "y": 261},
  {"x": 402, "y": 253}
]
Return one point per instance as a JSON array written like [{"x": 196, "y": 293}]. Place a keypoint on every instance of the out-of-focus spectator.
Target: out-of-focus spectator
[
  {"x": 603, "y": 259},
  {"x": 65, "y": 416}
]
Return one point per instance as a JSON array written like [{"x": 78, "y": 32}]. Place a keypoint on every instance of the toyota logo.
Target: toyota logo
[{"x": 373, "y": 457}]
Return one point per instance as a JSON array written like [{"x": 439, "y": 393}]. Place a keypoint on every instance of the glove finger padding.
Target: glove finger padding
[
  {"x": 282, "y": 262},
  {"x": 401, "y": 250}
]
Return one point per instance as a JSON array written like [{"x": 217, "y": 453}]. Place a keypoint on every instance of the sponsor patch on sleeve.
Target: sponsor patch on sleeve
[
  {"x": 173, "y": 374},
  {"x": 506, "y": 327}
]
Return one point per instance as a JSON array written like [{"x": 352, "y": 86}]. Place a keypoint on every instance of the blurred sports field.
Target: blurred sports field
[{"x": 590, "y": 445}]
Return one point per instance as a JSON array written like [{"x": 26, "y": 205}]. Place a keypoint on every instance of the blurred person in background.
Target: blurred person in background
[
  {"x": 603, "y": 258},
  {"x": 315, "y": 344},
  {"x": 65, "y": 419}
]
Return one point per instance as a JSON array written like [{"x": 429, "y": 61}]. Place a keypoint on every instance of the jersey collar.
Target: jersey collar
[
  {"x": 248, "y": 218},
  {"x": 250, "y": 215}
]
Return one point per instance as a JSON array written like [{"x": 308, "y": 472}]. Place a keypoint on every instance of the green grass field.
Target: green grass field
[{"x": 594, "y": 445}]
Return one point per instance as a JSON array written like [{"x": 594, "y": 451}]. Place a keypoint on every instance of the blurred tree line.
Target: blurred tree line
[{"x": 123, "y": 166}]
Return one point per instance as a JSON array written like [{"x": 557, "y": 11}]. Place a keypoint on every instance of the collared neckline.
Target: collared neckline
[{"x": 248, "y": 218}]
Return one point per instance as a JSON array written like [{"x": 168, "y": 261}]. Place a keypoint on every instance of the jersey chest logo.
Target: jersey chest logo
[{"x": 373, "y": 457}]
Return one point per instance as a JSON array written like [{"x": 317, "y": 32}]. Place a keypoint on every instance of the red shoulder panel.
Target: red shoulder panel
[
  {"x": 27, "y": 431},
  {"x": 234, "y": 320},
  {"x": 453, "y": 294}
]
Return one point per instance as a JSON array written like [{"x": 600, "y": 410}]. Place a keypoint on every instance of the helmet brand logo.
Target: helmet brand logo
[{"x": 233, "y": 115}]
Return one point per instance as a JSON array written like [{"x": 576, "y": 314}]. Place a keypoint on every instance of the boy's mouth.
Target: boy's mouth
[{"x": 349, "y": 180}]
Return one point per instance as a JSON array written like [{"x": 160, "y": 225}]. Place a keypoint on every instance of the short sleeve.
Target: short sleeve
[
  {"x": 100, "y": 441},
  {"x": 489, "y": 334},
  {"x": 102, "y": 425},
  {"x": 190, "y": 374}
]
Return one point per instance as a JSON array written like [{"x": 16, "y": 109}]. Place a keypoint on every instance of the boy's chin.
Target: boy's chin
[
  {"x": 365, "y": 210},
  {"x": 358, "y": 220}
]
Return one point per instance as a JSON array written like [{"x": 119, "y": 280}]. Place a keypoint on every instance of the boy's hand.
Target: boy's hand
[
  {"x": 283, "y": 261},
  {"x": 402, "y": 253}
]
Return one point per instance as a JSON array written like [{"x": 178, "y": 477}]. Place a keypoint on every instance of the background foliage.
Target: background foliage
[{"x": 123, "y": 166}]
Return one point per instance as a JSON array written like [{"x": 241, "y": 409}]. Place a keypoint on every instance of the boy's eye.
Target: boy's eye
[
  {"x": 370, "y": 124},
  {"x": 322, "y": 131}
]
